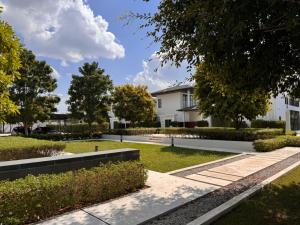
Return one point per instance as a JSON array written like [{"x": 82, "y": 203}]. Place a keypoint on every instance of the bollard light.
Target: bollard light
[
  {"x": 172, "y": 142},
  {"x": 121, "y": 138},
  {"x": 96, "y": 148}
]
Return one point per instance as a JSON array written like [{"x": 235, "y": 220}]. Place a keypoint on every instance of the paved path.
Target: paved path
[{"x": 167, "y": 192}]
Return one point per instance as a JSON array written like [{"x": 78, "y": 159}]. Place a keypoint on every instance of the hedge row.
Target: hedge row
[
  {"x": 276, "y": 143},
  {"x": 65, "y": 137},
  {"x": 35, "y": 198},
  {"x": 268, "y": 124},
  {"x": 80, "y": 128},
  {"x": 247, "y": 134}
]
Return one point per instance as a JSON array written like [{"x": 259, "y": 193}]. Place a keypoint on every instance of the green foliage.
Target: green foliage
[
  {"x": 80, "y": 128},
  {"x": 244, "y": 44},
  {"x": 228, "y": 106},
  {"x": 32, "y": 92},
  {"x": 15, "y": 148},
  {"x": 276, "y": 143},
  {"x": 44, "y": 196},
  {"x": 9, "y": 66},
  {"x": 202, "y": 123},
  {"x": 67, "y": 137},
  {"x": 133, "y": 103},
  {"x": 216, "y": 133},
  {"x": 89, "y": 94},
  {"x": 268, "y": 124}
]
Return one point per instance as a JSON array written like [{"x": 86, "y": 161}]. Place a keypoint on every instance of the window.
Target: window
[
  {"x": 184, "y": 100},
  {"x": 159, "y": 103},
  {"x": 168, "y": 123},
  {"x": 192, "y": 101},
  {"x": 294, "y": 102}
]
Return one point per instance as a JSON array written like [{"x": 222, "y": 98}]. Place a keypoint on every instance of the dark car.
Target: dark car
[
  {"x": 44, "y": 130},
  {"x": 20, "y": 130}
]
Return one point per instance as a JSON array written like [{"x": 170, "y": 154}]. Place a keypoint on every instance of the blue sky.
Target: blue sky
[{"x": 67, "y": 33}]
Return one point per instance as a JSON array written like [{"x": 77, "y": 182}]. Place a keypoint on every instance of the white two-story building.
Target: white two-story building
[{"x": 177, "y": 104}]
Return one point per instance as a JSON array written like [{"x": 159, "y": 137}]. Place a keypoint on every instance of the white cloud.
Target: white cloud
[
  {"x": 55, "y": 74},
  {"x": 66, "y": 30},
  {"x": 62, "y": 106},
  {"x": 157, "y": 77}
]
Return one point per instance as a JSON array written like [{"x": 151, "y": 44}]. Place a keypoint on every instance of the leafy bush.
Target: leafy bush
[
  {"x": 80, "y": 128},
  {"x": 268, "y": 124},
  {"x": 224, "y": 133},
  {"x": 15, "y": 148},
  {"x": 276, "y": 143},
  {"x": 64, "y": 137},
  {"x": 218, "y": 133},
  {"x": 134, "y": 131},
  {"x": 38, "y": 197},
  {"x": 202, "y": 123}
]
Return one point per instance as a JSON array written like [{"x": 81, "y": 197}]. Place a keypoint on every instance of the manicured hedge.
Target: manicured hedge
[
  {"x": 15, "y": 148},
  {"x": 247, "y": 134},
  {"x": 64, "y": 137},
  {"x": 202, "y": 123},
  {"x": 36, "y": 198},
  {"x": 276, "y": 143},
  {"x": 268, "y": 124},
  {"x": 80, "y": 128}
]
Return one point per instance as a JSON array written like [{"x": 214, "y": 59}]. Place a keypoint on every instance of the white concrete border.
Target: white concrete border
[
  {"x": 219, "y": 211},
  {"x": 205, "y": 164}
]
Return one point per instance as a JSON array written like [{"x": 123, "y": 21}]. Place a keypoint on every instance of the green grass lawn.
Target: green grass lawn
[
  {"x": 278, "y": 204},
  {"x": 13, "y": 142},
  {"x": 154, "y": 157}
]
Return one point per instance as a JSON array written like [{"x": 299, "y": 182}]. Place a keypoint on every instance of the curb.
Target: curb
[{"x": 221, "y": 210}]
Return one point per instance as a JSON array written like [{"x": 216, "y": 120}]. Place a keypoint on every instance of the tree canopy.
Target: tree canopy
[
  {"x": 244, "y": 43},
  {"x": 133, "y": 103},
  {"x": 89, "y": 94},
  {"x": 228, "y": 107},
  {"x": 9, "y": 65},
  {"x": 32, "y": 92}
]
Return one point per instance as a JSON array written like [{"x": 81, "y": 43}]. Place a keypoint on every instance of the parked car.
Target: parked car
[
  {"x": 44, "y": 130},
  {"x": 19, "y": 130}
]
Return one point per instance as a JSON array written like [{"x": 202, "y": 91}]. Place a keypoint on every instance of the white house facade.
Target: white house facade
[{"x": 177, "y": 104}]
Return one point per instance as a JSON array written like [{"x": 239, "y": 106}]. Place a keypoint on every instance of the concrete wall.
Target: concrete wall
[
  {"x": 218, "y": 145},
  {"x": 21, "y": 168}
]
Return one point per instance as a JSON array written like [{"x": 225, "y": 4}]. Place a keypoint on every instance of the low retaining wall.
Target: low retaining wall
[
  {"x": 56, "y": 164},
  {"x": 234, "y": 146}
]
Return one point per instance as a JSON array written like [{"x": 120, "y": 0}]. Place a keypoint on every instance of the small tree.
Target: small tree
[
  {"x": 32, "y": 92},
  {"x": 213, "y": 101},
  {"x": 133, "y": 103},
  {"x": 89, "y": 94},
  {"x": 9, "y": 65}
]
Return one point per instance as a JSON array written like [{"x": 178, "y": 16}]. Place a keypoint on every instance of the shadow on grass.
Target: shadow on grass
[{"x": 272, "y": 206}]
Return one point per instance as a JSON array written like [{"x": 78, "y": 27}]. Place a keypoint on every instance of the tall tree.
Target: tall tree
[
  {"x": 89, "y": 94},
  {"x": 133, "y": 103},
  {"x": 213, "y": 101},
  {"x": 32, "y": 92},
  {"x": 244, "y": 43},
  {"x": 9, "y": 65}
]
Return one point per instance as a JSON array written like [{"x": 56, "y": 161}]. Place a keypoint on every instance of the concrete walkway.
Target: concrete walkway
[{"x": 167, "y": 192}]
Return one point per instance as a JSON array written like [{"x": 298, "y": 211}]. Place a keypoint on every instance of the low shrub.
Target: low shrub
[
  {"x": 268, "y": 124},
  {"x": 39, "y": 197},
  {"x": 224, "y": 133},
  {"x": 134, "y": 131},
  {"x": 217, "y": 133},
  {"x": 80, "y": 128},
  {"x": 64, "y": 137},
  {"x": 15, "y": 148},
  {"x": 202, "y": 123},
  {"x": 276, "y": 143}
]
